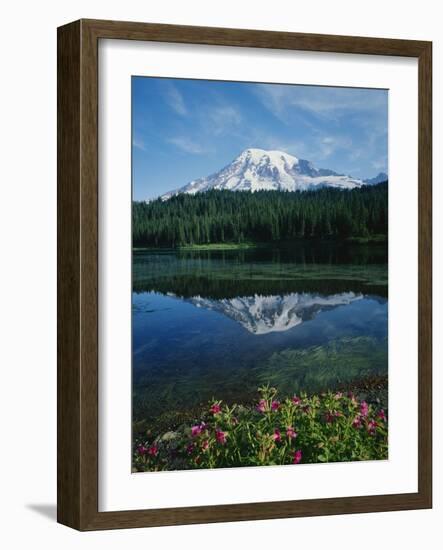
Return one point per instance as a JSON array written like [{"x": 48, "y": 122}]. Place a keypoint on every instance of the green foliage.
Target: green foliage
[
  {"x": 264, "y": 216},
  {"x": 331, "y": 427}
]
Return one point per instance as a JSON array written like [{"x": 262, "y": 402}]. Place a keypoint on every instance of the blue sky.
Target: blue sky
[{"x": 186, "y": 129}]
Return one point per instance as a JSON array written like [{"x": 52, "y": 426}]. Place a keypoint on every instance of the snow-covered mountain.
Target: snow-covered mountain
[
  {"x": 264, "y": 314},
  {"x": 257, "y": 169},
  {"x": 379, "y": 178}
]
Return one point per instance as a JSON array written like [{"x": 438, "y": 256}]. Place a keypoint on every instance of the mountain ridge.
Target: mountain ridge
[
  {"x": 379, "y": 178},
  {"x": 259, "y": 169}
]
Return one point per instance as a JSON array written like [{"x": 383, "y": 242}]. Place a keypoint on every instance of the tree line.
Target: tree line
[{"x": 263, "y": 216}]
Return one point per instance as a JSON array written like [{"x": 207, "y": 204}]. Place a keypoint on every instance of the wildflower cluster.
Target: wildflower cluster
[{"x": 331, "y": 427}]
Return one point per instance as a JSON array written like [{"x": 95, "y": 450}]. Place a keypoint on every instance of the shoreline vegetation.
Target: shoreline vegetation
[
  {"x": 332, "y": 426},
  {"x": 372, "y": 240}
]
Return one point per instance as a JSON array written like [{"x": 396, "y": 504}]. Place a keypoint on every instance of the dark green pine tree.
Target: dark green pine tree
[{"x": 264, "y": 216}]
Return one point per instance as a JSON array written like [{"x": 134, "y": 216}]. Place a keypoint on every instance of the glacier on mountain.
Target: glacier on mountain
[{"x": 258, "y": 169}]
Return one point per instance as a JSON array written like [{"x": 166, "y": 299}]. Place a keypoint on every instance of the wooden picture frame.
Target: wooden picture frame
[{"x": 78, "y": 273}]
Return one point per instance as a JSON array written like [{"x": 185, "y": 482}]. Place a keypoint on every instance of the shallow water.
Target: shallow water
[{"x": 220, "y": 324}]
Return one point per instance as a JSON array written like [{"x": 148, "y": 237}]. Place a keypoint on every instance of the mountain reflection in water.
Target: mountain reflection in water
[
  {"x": 264, "y": 314},
  {"x": 218, "y": 325}
]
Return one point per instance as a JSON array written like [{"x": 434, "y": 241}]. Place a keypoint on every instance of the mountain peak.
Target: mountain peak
[
  {"x": 379, "y": 178},
  {"x": 258, "y": 155},
  {"x": 257, "y": 169}
]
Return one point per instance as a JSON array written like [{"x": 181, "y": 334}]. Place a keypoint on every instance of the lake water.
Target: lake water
[{"x": 219, "y": 324}]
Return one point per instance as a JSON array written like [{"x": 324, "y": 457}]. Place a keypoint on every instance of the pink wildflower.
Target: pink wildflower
[
  {"x": 356, "y": 423},
  {"x": 215, "y": 409},
  {"x": 142, "y": 450},
  {"x": 330, "y": 416},
  {"x": 381, "y": 415},
  {"x": 275, "y": 405},
  {"x": 220, "y": 437},
  {"x": 277, "y": 435},
  {"x": 291, "y": 433},
  {"x": 371, "y": 427},
  {"x": 153, "y": 450},
  {"x": 364, "y": 408},
  {"x": 296, "y": 400},
  {"x": 205, "y": 445},
  {"x": 261, "y": 407},
  {"x": 198, "y": 429},
  {"x": 297, "y": 457},
  {"x": 338, "y": 395},
  {"x": 190, "y": 448}
]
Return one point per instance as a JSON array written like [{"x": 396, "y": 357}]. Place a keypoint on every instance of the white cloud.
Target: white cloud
[
  {"x": 222, "y": 118},
  {"x": 188, "y": 145},
  {"x": 329, "y": 145},
  {"x": 297, "y": 148},
  {"x": 175, "y": 100},
  {"x": 317, "y": 100},
  {"x": 316, "y": 149},
  {"x": 380, "y": 164},
  {"x": 138, "y": 143}
]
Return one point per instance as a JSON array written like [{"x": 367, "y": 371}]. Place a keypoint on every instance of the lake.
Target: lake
[{"x": 218, "y": 324}]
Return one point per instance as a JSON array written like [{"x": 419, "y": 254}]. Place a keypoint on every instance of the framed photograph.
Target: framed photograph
[{"x": 244, "y": 274}]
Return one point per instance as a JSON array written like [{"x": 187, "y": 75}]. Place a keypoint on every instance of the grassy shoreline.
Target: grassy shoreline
[{"x": 373, "y": 240}]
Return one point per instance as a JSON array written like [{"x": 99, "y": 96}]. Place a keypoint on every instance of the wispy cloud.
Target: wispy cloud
[
  {"x": 188, "y": 145},
  {"x": 222, "y": 119},
  {"x": 297, "y": 148},
  {"x": 138, "y": 143},
  {"x": 315, "y": 149},
  {"x": 329, "y": 145},
  {"x": 175, "y": 100},
  {"x": 319, "y": 101},
  {"x": 380, "y": 164}
]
